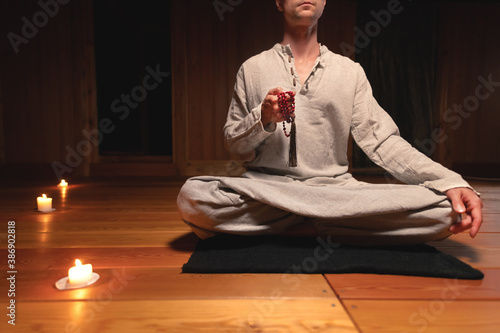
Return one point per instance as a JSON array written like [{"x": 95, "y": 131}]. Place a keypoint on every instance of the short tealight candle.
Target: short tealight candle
[
  {"x": 63, "y": 183},
  {"x": 44, "y": 204},
  {"x": 80, "y": 274}
]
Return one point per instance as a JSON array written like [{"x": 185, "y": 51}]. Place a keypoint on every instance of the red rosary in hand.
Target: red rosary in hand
[{"x": 286, "y": 102}]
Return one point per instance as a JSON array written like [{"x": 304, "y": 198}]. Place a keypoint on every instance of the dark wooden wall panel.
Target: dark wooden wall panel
[
  {"x": 470, "y": 48},
  {"x": 2, "y": 141},
  {"x": 49, "y": 85}
]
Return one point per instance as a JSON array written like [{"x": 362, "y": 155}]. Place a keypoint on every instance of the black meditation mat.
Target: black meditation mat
[{"x": 309, "y": 255}]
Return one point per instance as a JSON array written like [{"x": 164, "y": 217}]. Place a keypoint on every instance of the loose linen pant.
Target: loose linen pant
[{"x": 348, "y": 210}]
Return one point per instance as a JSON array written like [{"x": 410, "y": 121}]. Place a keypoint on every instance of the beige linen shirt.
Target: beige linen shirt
[{"x": 335, "y": 100}]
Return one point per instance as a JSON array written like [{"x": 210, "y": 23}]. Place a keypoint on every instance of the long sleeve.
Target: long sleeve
[
  {"x": 243, "y": 130},
  {"x": 378, "y": 136}
]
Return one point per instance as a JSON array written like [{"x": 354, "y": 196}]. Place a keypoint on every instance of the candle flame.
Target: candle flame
[
  {"x": 44, "y": 196},
  {"x": 78, "y": 262}
]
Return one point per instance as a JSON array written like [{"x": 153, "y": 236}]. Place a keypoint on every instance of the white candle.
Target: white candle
[
  {"x": 44, "y": 204},
  {"x": 80, "y": 274},
  {"x": 63, "y": 183}
]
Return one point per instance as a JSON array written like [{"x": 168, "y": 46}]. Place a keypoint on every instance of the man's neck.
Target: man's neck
[{"x": 302, "y": 40}]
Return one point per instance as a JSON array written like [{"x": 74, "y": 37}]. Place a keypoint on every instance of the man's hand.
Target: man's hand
[
  {"x": 270, "y": 110},
  {"x": 465, "y": 201}
]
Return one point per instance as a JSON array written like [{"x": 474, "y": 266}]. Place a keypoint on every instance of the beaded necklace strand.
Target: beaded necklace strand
[{"x": 286, "y": 102}]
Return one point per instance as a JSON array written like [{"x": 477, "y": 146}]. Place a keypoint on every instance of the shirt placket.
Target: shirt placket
[{"x": 295, "y": 78}]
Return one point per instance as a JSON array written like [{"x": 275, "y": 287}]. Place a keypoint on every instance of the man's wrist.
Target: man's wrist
[
  {"x": 463, "y": 188},
  {"x": 269, "y": 127}
]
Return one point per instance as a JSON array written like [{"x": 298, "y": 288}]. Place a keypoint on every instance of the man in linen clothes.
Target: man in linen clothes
[{"x": 333, "y": 98}]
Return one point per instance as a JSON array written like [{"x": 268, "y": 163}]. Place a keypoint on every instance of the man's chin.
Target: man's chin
[{"x": 307, "y": 17}]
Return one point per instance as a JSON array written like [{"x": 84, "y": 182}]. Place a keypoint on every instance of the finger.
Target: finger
[
  {"x": 463, "y": 225},
  {"x": 456, "y": 201},
  {"x": 471, "y": 221},
  {"x": 474, "y": 208},
  {"x": 289, "y": 96},
  {"x": 477, "y": 220},
  {"x": 276, "y": 107},
  {"x": 276, "y": 112}
]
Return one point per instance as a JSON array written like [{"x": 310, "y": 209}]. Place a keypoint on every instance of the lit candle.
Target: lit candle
[
  {"x": 44, "y": 203},
  {"x": 63, "y": 183},
  {"x": 80, "y": 274}
]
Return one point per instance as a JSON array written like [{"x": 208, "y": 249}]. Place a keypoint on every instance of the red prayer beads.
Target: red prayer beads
[{"x": 286, "y": 102}]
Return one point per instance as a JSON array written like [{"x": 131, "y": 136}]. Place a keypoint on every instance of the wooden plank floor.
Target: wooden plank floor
[{"x": 129, "y": 230}]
